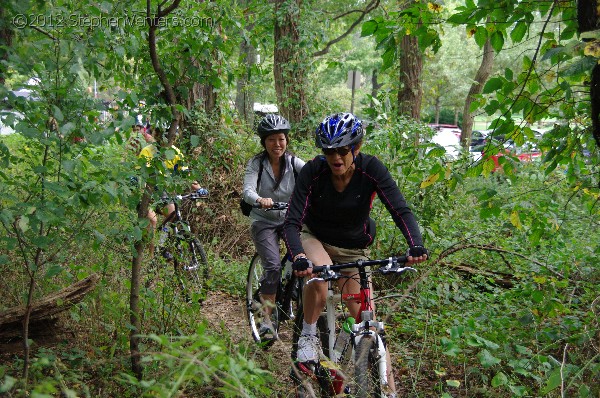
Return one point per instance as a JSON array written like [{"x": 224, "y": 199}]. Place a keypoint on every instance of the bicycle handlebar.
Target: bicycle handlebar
[
  {"x": 202, "y": 193},
  {"x": 391, "y": 265},
  {"x": 276, "y": 206}
]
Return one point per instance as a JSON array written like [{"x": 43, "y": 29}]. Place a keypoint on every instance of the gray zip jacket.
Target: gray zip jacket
[{"x": 267, "y": 183}]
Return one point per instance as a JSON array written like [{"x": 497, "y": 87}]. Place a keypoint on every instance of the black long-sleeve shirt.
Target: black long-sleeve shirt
[{"x": 342, "y": 218}]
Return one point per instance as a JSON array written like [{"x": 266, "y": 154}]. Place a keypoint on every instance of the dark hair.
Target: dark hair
[{"x": 261, "y": 156}]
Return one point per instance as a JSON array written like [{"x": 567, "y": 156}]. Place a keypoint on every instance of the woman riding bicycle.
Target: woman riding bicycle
[
  {"x": 273, "y": 170},
  {"x": 174, "y": 165},
  {"x": 328, "y": 218}
]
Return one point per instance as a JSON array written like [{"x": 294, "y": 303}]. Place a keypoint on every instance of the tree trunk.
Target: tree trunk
[
  {"x": 6, "y": 37},
  {"x": 244, "y": 99},
  {"x": 482, "y": 75},
  {"x": 288, "y": 61},
  {"x": 375, "y": 85},
  {"x": 438, "y": 107},
  {"x": 587, "y": 19},
  {"x": 134, "y": 293},
  {"x": 410, "y": 92}
]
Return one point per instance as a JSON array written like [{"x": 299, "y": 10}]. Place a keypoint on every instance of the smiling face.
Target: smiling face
[
  {"x": 341, "y": 164},
  {"x": 276, "y": 144}
]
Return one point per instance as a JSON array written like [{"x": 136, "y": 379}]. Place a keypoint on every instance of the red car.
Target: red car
[{"x": 527, "y": 153}]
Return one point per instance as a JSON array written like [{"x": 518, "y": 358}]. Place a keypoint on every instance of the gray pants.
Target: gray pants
[{"x": 266, "y": 240}]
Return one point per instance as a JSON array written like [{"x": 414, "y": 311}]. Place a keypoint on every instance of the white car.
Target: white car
[
  {"x": 4, "y": 115},
  {"x": 447, "y": 138}
]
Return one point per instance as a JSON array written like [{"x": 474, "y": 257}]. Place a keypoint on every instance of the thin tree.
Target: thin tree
[{"x": 482, "y": 75}]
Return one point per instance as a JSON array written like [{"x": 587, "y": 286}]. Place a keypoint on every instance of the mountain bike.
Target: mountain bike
[
  {"x": 359, "y": 366},
  {"x": 183, "y": 250},
  {"x": 285, "y": 298}
]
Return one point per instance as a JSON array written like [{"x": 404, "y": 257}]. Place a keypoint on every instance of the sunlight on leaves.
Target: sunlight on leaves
[{"x": 430, "y": 180}]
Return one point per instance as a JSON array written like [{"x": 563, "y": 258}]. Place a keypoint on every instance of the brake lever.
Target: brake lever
[
  {"x": 327, "y": 275},
  {"x": 396, "y": 270}
]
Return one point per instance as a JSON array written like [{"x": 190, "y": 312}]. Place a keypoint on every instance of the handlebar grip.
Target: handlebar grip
[{"x": 276, "y": 206}]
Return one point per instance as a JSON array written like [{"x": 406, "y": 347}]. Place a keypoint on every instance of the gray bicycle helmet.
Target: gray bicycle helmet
[
  {"x": 338, "y": 130},
  {"x": 272, "y": 124}
]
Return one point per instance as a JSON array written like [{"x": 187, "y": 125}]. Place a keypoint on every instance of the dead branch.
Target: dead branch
[
  {"x": 51, "y": 304},
  {"x": 370, "y": 7},
  {"x": 492, "y": 248}
]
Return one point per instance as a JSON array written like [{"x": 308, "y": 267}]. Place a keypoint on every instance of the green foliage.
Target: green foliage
[{"x": 200, "y": 363}]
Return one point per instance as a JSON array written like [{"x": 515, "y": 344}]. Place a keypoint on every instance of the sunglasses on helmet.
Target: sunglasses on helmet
[{"x": 343, "y": 151}]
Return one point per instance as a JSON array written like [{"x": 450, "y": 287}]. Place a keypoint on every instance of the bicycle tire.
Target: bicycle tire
[
  {"x": 366, "y": 370},
  {"x": 191, "y": 267},
  {"x": 253, "y": 304}
]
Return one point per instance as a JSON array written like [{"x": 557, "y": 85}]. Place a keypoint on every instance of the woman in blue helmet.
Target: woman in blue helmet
[{"x": 328, "y": 217}]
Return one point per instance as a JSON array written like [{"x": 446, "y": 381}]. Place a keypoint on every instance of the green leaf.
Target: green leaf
[
  {"x": 495, "y": 83},
  {"x": 7, "y": 384},
  {"x": 457, "y": 331},
  {"x": 23, "y": 223},
  {"x": 368, "y": 28},
  {"x": 486, "y": 359},
  {"x": 388, "y": 58},
  {"x": 497, "y": 41},
  {"x": 481, "y": 36},
  {"x": 453, "y": 383},
  {"x": 537, "y": 296},
  {"x": 553, "y": 382},
  {"x": 499, "y": 380},
  {"x": 194, "y": 140},
  {"x": 58, "y": 115},
  {"x": 518, "y": 32},
  {"x": 53, "y": 270}
]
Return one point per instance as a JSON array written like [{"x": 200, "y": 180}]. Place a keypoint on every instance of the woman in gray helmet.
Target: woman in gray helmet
[{"x": 270, "y": 177}]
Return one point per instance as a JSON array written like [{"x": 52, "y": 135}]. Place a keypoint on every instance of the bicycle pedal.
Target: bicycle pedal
[{"x": 308, "y": 369}]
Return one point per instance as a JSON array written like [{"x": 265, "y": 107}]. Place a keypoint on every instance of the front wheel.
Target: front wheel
[
  {"x": 366, "y": 370},
  {"x": 191, "y": 267},
  {"x": 254, "y": 306}
]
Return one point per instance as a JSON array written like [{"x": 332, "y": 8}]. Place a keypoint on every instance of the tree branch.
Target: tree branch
[
  {"x": 455, "y": 249},
  {"x": 162, "y": 76},
  {"x": 370, "y": 7}
]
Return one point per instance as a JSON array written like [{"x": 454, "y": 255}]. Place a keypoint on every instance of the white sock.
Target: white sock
[{"x": 309, "y": 329}]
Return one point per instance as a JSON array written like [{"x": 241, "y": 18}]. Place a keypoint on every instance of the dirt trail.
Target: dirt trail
[{"x": 226, "y": 312}]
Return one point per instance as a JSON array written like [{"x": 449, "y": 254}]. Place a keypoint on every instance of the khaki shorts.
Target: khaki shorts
[{"x": 338, "y": 254}]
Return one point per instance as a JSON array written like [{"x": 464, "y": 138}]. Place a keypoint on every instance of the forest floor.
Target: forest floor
[{"x": 226, "y": 312}]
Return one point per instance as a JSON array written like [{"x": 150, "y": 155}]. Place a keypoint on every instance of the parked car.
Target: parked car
[
  {"x": 7, "y": 118},
  {"x": 449, "y": 141},
  {"x": 454, "y": 129},
  {"x": 525, "y": 154},
  {"x": 478, "y": 137}
]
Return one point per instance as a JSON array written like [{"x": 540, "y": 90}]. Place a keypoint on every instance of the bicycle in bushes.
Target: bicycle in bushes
[
  {"x": 181, "y": 251},
  {"x": 356, "y": 362},
  {"x": 285, "y": 298}
]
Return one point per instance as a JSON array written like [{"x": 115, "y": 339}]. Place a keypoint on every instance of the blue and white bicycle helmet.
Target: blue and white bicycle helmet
[
  {"x": 272, "y": 124},
  {"x": 338, "y": 130}
]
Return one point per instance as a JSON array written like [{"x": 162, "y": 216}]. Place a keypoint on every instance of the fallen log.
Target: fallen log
[
  {"x": 499, "y": 278},
  {"x": 42, "y": 312}
]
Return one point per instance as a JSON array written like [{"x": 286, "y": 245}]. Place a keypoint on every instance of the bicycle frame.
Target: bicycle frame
[{"x": 365, "y": 325}]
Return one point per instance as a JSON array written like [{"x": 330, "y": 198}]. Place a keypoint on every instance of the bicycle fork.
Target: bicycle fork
[{"x": 363, "y": 329}]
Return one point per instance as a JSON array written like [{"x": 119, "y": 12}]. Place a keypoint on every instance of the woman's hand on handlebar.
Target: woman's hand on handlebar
[
  {"x": 265, "y": 203},
  {"x": 302, "y": 266},
  {"x": 417, "y": 254}
]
